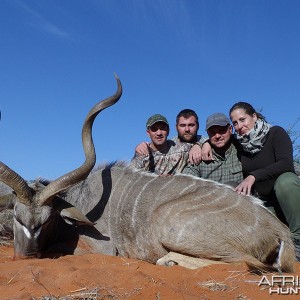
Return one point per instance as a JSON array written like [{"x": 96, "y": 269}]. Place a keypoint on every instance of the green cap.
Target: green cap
[{"x": 156, "y": 118}]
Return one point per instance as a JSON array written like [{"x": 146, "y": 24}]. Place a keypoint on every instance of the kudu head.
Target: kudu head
[{"x": 36, "y": 205}]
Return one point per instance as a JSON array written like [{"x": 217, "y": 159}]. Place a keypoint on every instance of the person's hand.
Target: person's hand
[
  {"x": 142, "y": 149},
  {"x": 206, "y": 152},
  {"x": 245, "y": 186},
  {"x": 195, "y": 154}
]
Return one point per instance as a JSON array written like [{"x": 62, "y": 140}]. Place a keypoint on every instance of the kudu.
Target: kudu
[{"x": 121, "y": 211}]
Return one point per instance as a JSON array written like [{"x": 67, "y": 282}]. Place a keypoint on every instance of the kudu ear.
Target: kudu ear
[{"x": 70, "y": 213}]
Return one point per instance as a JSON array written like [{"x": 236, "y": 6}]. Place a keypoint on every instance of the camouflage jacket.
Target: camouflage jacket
[{"x": 168, "y": 163}]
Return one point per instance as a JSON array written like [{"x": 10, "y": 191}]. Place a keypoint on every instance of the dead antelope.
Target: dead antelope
[{"x": 120, "y": 211}]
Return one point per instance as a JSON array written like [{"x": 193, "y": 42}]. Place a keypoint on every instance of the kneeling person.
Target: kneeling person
[
  {"x": 165, "y": 157},
  {"x": 225, "y": 166}
]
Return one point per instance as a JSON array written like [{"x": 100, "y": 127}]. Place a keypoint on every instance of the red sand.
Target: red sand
[{"x": 107, "y": 277}]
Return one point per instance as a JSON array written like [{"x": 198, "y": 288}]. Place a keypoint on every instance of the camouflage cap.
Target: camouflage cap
[{"x": 156, "y": 118}]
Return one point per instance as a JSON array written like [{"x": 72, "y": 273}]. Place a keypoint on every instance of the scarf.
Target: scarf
[{"x": 254, "y": 141}]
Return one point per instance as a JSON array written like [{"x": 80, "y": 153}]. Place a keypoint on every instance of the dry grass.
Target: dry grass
[
  {"x": 82, "y": 294},
  {"x": 6, "y": 226},
  {"x": 214, "y": 286},
  {"x": 228, "y": 284},
  {"x": 91, "y": 294}
]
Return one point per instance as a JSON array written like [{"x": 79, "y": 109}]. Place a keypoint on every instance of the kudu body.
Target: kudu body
[{"x": 121, "y": 211}]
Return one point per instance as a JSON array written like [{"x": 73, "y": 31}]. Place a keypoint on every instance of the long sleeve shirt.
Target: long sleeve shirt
[
  {"x": 275, "y": 158},
  {"x": 224, "y": 168}
]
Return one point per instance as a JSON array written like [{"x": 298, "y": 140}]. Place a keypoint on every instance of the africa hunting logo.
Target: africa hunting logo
[{"x": 281, "y": 284}]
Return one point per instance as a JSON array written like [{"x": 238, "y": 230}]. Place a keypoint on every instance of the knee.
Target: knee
[{"x": 286, "y": 181}]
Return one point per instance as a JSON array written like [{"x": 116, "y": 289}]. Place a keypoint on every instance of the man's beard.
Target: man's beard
[{"x": 188, "y": 138}]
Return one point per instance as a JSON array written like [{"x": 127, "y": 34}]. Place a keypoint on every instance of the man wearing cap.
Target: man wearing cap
[
  {"x": 164, "y": 157},
  {"x": 187, "y": 125},
  {"x": 225, "y": 166}
]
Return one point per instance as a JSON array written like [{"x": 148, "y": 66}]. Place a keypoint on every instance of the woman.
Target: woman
[{"x": 267, "y": 161}]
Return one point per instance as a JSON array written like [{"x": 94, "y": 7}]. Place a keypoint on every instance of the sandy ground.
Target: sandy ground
[{"x": 96, "y": 276}]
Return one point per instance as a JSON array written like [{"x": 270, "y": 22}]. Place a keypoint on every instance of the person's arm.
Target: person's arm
[
  {"x": 207, "y": 151},
  {"x": 245, "y": 186},
  {"x": 279, "y": 145},
  {"x": 195, "y": 153},
  {"x": 142, "y": 149},
  {"x": 282, "y": 149},
  {"x": 138, "y": 161}
]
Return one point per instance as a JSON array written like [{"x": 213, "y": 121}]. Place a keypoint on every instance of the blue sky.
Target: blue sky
[{"x": 58, "y": 58}]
